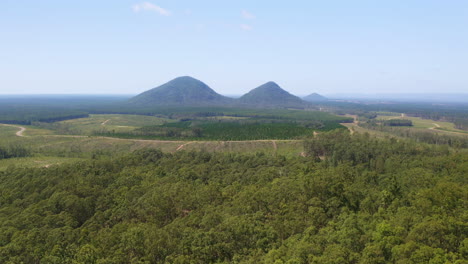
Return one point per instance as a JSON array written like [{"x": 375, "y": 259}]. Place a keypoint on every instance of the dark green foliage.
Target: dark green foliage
[
  {"x": 238, "y": 131},
  {"x": 198, "y": 124},
  {"x": 229, "y": 130},
  {"x": 397, "y": 122},
  {"x": 29, "y": 109},
  {"x": 29, "y": 115},
  {"x": 461, "y": 123},
  {"x": 386, "y": 201},
  {"x": 13, "y": 151},
  {"x": 340, "y": 146},
  {"x": 188, "y": 113}
]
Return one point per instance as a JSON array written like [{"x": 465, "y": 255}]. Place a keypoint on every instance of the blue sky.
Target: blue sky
[{"x": 126, "y": 47}]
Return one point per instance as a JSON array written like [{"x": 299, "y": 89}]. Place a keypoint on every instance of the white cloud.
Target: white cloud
[
  {"x": 246, "y": 27},
  {"x": 147, "y": 6},
  {"x": 247, "y": 15}
]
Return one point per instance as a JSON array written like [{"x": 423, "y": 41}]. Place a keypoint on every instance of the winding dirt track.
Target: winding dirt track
[
  {"x": 275, "y": 147},
  {"x": 183, "y": 145},
  {"x": 20, "y": 132},
  {"x": 436, "y": 126},
  {"x": 180, "y": 147}
]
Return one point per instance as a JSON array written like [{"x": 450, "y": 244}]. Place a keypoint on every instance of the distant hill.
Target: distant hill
[
  {"x": 315, "y": 97},
  {"x": 181, "y": 91},
  {"x": 270, "y": 94}
]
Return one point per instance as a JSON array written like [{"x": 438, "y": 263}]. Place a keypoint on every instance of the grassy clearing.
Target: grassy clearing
[
  {"x": 7, "y": 131},
  {"x": 117, "y": 123},
  {"x": 35, "y": 162},
  {"x": 50, "y": 147},
  {"x": 424, "y": 123},
  {"x": 355, "y": 128},
  {"x": 115, "y": 145},
  {"x": 68, "y": 147},
  {"x": 30, "y": 131},
  {"x": 282, "y": 147},
  {"x": 419, "y": 124}
]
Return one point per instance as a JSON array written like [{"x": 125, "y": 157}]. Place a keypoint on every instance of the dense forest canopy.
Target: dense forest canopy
[
  {"x": 352, "y": 199},
  {"x": 397, "y": 196}
]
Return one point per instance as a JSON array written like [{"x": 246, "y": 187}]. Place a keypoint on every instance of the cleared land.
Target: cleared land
[
  {"x": 426, "y": 123},
  {"x": 72, "y": 140},
  {"x": 49, "y": 147},
  {"x": 104, "y": 123},
  {"x": 37, "y": 162},
  {"x": 20, "y": 131}
]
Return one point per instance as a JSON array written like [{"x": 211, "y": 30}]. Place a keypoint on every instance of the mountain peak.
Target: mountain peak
[
  {"x": 315, "y": 97},
  {"x": 184, "y": 90},
  {"x": 185, "y": 78},
  {"x": 271, "y": 94},
  {"x": 271, "y": 83}
]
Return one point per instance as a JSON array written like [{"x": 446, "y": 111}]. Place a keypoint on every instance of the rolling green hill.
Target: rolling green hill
[
  {"x": 181, "y": 91},
  {"x": 271, "y": 94}
]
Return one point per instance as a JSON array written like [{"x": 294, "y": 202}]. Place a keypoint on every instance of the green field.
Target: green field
[
  {"x": 48, "y": 147},
  {"x": 84, "y": 138},
  {"x": 232, "y": 124},
  {"x": 225, "y": 131},
  {"x": 103, "y": 123},
  {"x": 425, "y": 123},
  {"x": 35, "y": 162}
]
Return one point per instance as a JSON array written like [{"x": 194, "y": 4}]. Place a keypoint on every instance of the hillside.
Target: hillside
[
  {"x": 181, "y": 91},
  {"x": 314, "y": 97},
  {"x": 271, "y": 94}
]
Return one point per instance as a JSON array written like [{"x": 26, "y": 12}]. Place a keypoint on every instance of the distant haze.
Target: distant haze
[
  {"x": 409, "y": 97},
  {"x": 327, "y": 47}
]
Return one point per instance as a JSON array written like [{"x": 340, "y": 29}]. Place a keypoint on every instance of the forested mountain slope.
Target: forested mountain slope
[
  {"x": 270, "y": 94},
  {"x": 315, "y": 97},
  {"x": 183, "y": 90},
  {"x": 354, "y": 199}
]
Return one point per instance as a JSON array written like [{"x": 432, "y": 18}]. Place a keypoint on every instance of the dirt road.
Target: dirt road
[
  {"x": 20, "y": 132},
  {"x": 436, "y": 126}
]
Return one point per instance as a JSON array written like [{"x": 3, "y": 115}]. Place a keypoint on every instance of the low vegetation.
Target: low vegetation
[
  {"x": 13, "y": 151},
  {"x": 228, "y": 130},
  {"x": 454, "y": 113}
]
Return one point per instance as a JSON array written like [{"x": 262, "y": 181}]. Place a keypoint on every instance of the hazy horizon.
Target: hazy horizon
[
  {"x": 130, "y": 46},
  {"x": 395, "y": 97}
]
